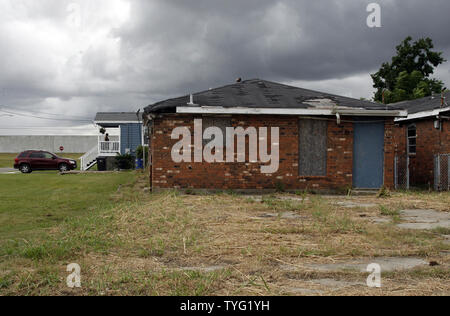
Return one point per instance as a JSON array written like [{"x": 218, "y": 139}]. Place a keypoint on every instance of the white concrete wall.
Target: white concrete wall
[{"x": 71, "y": 144}]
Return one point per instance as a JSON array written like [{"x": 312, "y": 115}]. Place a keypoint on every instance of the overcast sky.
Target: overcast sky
[{"x": 68, "y": 59}]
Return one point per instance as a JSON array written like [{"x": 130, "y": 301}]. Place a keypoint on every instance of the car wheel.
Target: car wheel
[
  {"x": 25, "y": 168},
  {"x": 63, "y": 167}
]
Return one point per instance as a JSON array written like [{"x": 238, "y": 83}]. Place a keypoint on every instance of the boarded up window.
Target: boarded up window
[
  {"x": 220, "y": 122},
  {"x": 312, "y": 147}
]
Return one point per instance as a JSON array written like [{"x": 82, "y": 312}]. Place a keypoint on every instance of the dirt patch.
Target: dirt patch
[
  {"x": 336, "y": 284},
  {"x": 302, "y": 291},
  {"x": 356, "y": 205}
]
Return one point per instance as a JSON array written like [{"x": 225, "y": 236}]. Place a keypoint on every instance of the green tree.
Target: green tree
[{"x": 407, "y": 77}]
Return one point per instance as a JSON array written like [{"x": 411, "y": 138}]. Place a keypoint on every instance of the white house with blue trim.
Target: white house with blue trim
[{"x": 125, "y": 133}]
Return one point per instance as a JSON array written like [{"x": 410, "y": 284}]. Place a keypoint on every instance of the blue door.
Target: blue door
[{"x": 368, "y": 155}]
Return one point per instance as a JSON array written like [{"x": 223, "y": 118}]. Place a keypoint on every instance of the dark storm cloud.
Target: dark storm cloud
[
  {"x": 191, "y": 45},
  {"x": 127, "y": 54}
]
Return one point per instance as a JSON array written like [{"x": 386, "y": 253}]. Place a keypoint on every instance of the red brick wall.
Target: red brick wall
[
  {"x": 167, "y": 174},
  {"x": 430, "y": 141}
]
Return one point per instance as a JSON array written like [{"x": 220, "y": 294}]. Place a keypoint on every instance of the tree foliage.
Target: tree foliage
[{"x": 407, "y": 77}]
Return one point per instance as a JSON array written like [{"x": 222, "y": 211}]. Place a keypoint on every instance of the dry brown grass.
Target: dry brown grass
[{"x": 157, "y": 242}]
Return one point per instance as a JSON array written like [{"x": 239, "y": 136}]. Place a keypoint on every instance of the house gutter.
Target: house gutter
[
  {"x": 117, "y": 122},
  {"x": 278, "y": 111}
]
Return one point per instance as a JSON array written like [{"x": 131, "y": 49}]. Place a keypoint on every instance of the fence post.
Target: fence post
[
  {"x": 396, "y": 172},
  {"x": 437, "y": 172},
  {"x": 407, "y": 172},
  {"x": 448, "y": 172}
]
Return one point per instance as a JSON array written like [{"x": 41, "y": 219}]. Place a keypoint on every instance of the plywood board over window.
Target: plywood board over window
[{"x": 312, "y": 147}]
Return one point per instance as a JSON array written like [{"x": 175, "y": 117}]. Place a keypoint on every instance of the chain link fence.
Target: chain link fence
[
  {"x": 402, "y": 178},
  {"x": 442, "y": 172}
]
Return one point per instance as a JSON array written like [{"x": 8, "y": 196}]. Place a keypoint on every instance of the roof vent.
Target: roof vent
[
  {"x": 191, "y": 100},
  {"x": 239, "y": 80}
]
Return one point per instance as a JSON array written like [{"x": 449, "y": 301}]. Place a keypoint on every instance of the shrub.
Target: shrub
[
  {"x": 125, "y": 162},
  {"x": 140, "y": 153}
]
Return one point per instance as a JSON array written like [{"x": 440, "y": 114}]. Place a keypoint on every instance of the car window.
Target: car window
[
  {"x": 47, "y": 155},
  {"x": 23, "y": 155},
  {"x": 37, "y": 155}
]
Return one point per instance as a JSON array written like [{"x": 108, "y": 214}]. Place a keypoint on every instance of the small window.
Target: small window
[
  {"x": 313, "y": 147},
  {"x": 412, "y": 139},
  {"x": 37, "y": 155},
  {"x": 48, "y": 156}
]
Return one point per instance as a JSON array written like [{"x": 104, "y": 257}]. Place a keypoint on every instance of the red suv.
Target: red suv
[{"x": 31, "y": 160}]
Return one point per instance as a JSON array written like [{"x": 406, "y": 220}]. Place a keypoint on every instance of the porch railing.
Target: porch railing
[
  {"x": 89, "y": 159},
  {"x": 108, "y": 147}
]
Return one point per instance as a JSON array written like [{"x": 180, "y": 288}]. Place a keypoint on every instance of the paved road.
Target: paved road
[{"x": 8, "y": 171}]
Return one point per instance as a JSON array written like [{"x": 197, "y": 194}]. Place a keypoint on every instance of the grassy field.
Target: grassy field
[
  {"x": 7, "y": 160},
  {"x": 130, "y": 242}
]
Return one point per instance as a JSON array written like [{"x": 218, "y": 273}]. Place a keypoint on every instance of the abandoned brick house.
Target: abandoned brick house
[
  {"x": 422, "y": 141},
  {"x": 325, "y": 142}
]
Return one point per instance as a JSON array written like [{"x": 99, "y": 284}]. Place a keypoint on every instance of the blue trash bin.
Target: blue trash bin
[{"x": 139, "y": 164}]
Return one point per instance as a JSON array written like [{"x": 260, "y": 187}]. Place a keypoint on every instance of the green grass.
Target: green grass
[
  {"x": 131, "y": 243},
  {"x": 32, "y": 204},
  {"x": 7, "y": 160},
  {"x": 386, "y": 211},
  {"x": 442, "y": 230}
]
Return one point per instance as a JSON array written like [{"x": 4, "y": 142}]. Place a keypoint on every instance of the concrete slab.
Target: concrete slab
[
  {"x": 291, "y": 215},
  {"x": 259, "y": 198},
  {"x": 424, "y": 219},
  {"x": 379, "y": 220},
  {"x": 293, "y": 198},
  {"x": 447, "y": 239},
  {"x": 387, "y": 265},
  {"x": 255, "y": 198},
  {"x": 284, "y": 215},
  {"x": 204, "y": 269}
]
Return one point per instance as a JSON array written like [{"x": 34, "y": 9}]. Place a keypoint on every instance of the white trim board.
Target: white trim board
[
  {"x": 117, "y": 122},
  {"x": 280, "y": 111},
  {"x": 423, "y": 114}
]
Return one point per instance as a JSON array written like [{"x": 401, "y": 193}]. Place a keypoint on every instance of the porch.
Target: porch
[
  {"x": 108, "y": 148},
  {"x": 119, "y": 133}
]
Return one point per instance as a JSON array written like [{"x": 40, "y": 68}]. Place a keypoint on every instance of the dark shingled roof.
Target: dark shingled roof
[
  {"x": 258, "y": 93},
  {"x": 115, "y": 117},
  {"x": 424, "y": 104}
]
